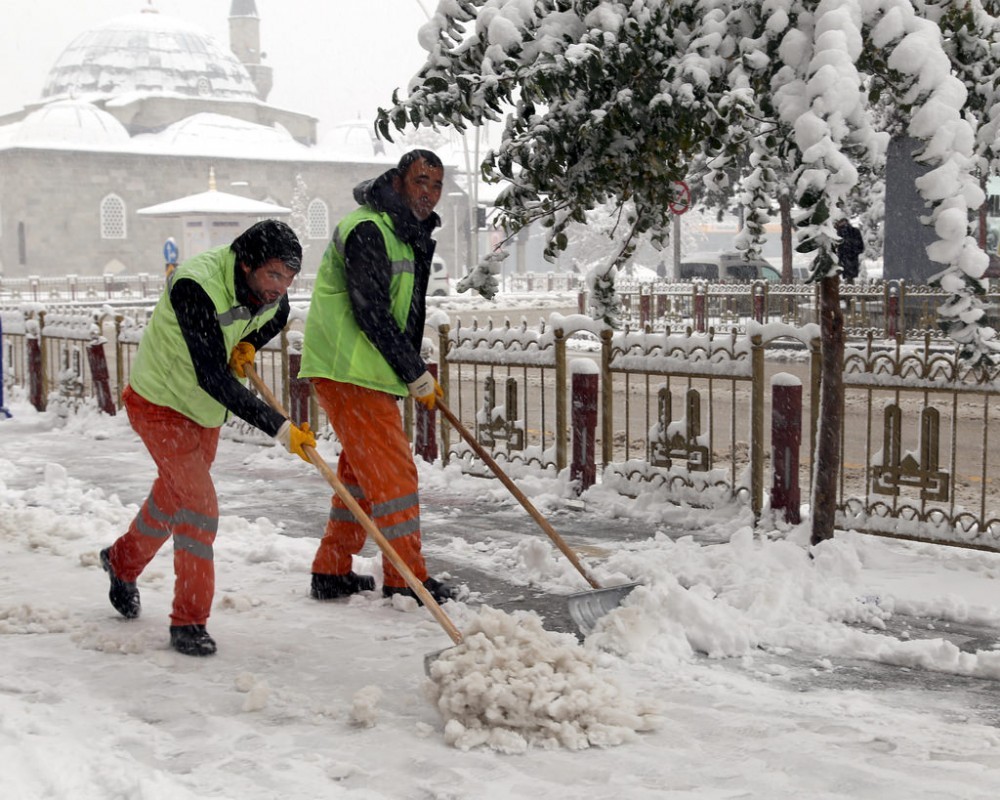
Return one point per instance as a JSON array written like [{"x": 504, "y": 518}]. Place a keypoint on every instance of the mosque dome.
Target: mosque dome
[
  {"x": 70, "y": 122},
  {"x": 148, "y": 53}
]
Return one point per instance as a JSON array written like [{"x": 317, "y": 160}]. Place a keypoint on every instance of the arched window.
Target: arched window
[
  {"x": 317, "y": 220},
  {"x": 113, "y": 218}
]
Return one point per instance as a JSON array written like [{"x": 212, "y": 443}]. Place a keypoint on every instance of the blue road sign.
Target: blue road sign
[{"x": 170, "y": 252}]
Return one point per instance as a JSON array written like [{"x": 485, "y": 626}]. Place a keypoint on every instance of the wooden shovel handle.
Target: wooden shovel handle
[
  {"x": 363, "y": 519},
  {"x": 521, "y": 497}
]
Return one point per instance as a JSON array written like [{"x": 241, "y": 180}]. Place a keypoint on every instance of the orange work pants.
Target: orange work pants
[
  {"x": 182, "y": 503},
  {"x": 376, "y": 466}
]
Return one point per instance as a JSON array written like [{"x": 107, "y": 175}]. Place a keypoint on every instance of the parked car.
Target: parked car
[
  {"x": 439, "y": 284},
  {"x": 728, "y": 266}
]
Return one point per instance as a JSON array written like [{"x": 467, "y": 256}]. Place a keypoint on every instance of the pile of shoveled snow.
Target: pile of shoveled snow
[{"x": 512, "y": 685}]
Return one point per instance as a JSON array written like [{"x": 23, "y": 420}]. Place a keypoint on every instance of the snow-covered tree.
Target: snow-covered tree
[{"x": 613, "y": 101}]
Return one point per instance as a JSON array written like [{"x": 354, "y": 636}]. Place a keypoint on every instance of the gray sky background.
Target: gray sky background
[{"x": 335, "y": 59}]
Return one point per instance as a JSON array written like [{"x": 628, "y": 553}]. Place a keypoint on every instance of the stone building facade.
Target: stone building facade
[{"x": 121, "y": 127}]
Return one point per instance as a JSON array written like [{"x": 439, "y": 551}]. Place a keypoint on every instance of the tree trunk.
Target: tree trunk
[
  {"x": 785, "y": 211},
  {"x": 827, "y": 463}
]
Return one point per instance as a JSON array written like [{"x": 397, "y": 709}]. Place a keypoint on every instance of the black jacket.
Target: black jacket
[
  {"x": 849, "y": 250},
  {"x": 369, "y": 272},
  {"x": 198, "y": 323}
]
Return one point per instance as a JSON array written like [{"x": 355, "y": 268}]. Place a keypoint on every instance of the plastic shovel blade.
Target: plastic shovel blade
[{"x": 587, "y": 607}]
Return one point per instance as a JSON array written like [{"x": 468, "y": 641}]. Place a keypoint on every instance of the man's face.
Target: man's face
[
  {"x": 270, "y": 281},
  {"x": 420, "y": 188}
]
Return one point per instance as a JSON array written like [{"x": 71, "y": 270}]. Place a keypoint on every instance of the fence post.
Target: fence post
[
  {"x": 892, "y": 312},
  {"x": 786, "y": 436},
  {"x": 699, "y": 307},
  {"x": 581, "y": 302},
  {"x": 559, "y": 339},
  {"x": 424, "y": 441},
  {"x": 36, "y": 370},
  {"x": 298, "y": 390},
  {"x": 759, "y": 291},
  {"x": 99, "y": 374},
  {"x": 583, "y": 470},
  {"x": 645, "y": 308},
  {"x": 444, "y": 378},
  {"x": 4, "y": 413}
]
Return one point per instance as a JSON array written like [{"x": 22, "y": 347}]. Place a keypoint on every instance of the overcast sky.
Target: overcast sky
[{"x": 334, "y": 59}]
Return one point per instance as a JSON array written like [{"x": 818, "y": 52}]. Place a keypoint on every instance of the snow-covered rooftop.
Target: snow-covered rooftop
[
  {"x": 213, "y": 202},
  {"x": 76, "y": 121},
  {"x": 148, "y": 52}
]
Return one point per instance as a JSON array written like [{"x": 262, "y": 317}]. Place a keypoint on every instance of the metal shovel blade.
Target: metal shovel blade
[
  {"x": 430, "y": 658},
  {"x": 587, "y": 607}
]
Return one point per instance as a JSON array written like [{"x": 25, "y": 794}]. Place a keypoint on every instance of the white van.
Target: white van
[
  {"x": 728, "y": 266},
  {"x": 439, "y": 284}
]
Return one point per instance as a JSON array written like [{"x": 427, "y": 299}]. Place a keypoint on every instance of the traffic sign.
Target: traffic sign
[{"x": 170, "y": 251}]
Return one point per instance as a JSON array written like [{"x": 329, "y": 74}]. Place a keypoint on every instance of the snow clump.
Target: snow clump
[{"x": 512, "y": 685}]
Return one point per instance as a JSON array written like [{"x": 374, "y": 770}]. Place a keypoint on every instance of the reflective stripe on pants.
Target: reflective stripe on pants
[
  {"x": 376, "y": 464},
  {"x": 182, "y": 503}
]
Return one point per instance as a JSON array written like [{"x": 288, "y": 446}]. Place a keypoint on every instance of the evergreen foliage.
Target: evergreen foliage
[{"x": 612, "y": 102}]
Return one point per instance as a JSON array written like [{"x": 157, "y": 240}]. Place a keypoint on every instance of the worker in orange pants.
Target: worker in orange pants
[
  {"x": 186, "y": 381},
  {"x": 181, "y": 503},
  {"x": 383, "y": 482},
  {"x": 362, "y": 349}
]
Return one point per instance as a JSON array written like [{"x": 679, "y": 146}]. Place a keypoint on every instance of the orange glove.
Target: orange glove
[
  {"x": 426, "y": 391},
  {"x": 295, "y": 438},
  {"x": 244, "y": 353}
]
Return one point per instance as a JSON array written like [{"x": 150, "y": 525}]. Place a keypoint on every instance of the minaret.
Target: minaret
[{"x": 244, "y": 41}]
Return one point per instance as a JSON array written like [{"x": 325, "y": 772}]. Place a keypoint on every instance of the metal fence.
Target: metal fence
[
  {"x": 682, "y": 413},
  {"x": 921, "y": 462},
  {"x": 887, "y": 308}
]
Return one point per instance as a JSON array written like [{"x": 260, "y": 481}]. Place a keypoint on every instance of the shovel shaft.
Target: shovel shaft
[
  {"x": 363, "y": 519},
  {"x": 518, "y": 494}
]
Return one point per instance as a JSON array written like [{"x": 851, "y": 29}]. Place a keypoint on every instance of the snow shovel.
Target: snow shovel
[
  {"x": 584, "y": 607},
  {"x": 365, "y": 521}
]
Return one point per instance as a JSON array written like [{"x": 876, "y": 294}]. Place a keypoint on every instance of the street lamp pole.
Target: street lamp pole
[{"x": 454, "y": 196}]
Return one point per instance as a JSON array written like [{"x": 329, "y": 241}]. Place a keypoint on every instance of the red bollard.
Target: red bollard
[
  {"x": 758, "y": 304},
  {"x": 298, "y": 390},
  {"x": 661, "y": 306},
  {"x": 583, "y": 468},
  {"x": 4, "y": 413},
  {"x": 892, "y": 316},
  {"x": 699, "y": 310},
  {"x": 35, "y": 378},
  {"x": 425, "y": 442},
  {"x": 99, "y": 374},
  {"x": 645, "y": 309},
  {"x": 786, "y": 436}
]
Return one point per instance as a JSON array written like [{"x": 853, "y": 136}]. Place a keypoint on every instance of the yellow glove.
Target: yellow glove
[
  {"x": 426, "y": 391},
  {"x": 244, "y": 353},
  {"x": 295, "y": 438}
]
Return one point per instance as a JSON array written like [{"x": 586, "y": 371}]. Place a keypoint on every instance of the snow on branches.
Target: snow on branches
[{"x": 611, "y": 102}]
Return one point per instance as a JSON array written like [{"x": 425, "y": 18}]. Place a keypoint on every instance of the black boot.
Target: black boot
[
  {"x": 124, "y": 596},
  {"x": 441, "y": 592},
  {"x": 329, "y": 587},
  {"x": 191, "y": 640}
]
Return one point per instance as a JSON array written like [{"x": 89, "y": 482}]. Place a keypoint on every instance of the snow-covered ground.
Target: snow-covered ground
[{"x": 742, "y": 668}]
